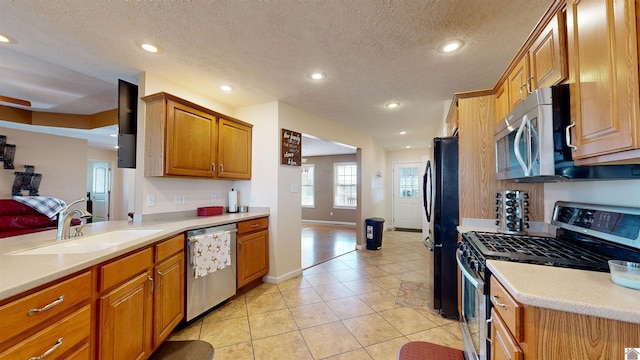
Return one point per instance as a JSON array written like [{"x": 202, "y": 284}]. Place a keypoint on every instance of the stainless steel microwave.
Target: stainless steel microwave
[
  {"x": 524, "y": 139},
  {"x": 532, "y": 143}
]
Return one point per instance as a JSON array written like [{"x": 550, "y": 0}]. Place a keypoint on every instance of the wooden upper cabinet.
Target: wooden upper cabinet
[
  {"x": 502, "y": 101},
  {"x": 547, "y": 55},
  {"x": 518, "y": 82},
  {"x": 234, "y": 150},
  {"x": 190, "y": 141},
  {"x": 186, "y": 139},
  {"x": 603, "y": 58}
]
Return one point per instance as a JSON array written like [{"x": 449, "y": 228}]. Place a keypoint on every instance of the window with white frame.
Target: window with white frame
[
  {"x": 308, "y": 186},
  {"x": 345, "y": 179}
]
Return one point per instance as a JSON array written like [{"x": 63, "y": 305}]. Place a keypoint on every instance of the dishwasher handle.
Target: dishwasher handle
[{"x": 191, "y": 238}]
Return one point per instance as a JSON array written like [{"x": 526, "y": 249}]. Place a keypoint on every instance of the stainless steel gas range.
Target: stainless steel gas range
[{"x": 587, "y": 236}]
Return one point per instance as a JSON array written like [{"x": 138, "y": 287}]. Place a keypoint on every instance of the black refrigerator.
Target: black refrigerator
[{"x": 440, "y": 189}]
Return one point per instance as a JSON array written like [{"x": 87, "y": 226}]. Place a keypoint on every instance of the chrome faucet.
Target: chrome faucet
[{"x": 64, "y": 219}]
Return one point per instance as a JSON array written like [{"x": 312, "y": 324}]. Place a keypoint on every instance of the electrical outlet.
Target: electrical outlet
[
  {"x": 151, "y": 200},
  {"x": 185, "y": 199},
  {"x": 177, "y": 199},
  {"x": 331, "y": 213},
  {"x": 214, "y": 198}
]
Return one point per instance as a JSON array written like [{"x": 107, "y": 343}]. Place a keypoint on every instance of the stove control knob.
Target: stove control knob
[
  {"x": 526, "y": 210},
  {"x": 525, "y": 195},
  {"x": 526, "y": 218},
  {"x": 510, "y": 217},
  {"x": 498, "y": 202},
  {"x": 498, "y": 195},
  {"x": 525, "y": 203},
  {"x": 510, "y": 202},
  {"x": 511, "y": 225},
  {"x": 526, "y": 225},
  {"x": 510, "y": 195},
  {"x": 497, "y": 222},
  {"x": 510, "y": 210}
]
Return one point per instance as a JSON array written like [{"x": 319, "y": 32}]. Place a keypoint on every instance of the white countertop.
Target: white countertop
[
  {"x": 577, "y": 291},
  {"x": 19, "y": 273}
]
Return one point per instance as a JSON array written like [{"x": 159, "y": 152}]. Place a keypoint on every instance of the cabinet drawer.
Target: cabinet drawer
[
  {"x": 121, "y": 270},
  {"x": 253, "y": 225},
  {"x": 509, "y": 310},
  {"x": 55, "y": 339},
  {"x": 169, "y": 247},
  {"x": 43, "y": 305},
  {"x": 83, "y": 353},
  {"x": 504, "y": 346}
]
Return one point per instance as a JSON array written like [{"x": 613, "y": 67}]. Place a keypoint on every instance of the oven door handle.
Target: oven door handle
[{"x": 466, "y": 272}]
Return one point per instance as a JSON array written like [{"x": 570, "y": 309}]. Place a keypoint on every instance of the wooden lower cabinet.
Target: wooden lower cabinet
[
  {"x": 252, "y": 250},
  {"x": 504, "y": 347},
  {"x": 125, "y": 314},
  {"x": 137, "y": 315},
  {"x": 540, "y": 333},
  {"x": 168, "y": 297}
]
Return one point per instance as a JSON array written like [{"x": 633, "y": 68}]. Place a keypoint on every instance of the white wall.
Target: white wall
[
  {"x": 619, "y": 192},
  {"x": 62, "y": 161}
]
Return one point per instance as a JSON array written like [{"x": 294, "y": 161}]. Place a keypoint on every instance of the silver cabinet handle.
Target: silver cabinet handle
[
  {"x": 213, "y": 168},
  {"x": 160, "y": 282},
  {"x": 255, "y": 225},
  {"x": 56, "y": 302},
  {"x": 48, "y": 352},
  {"x": 221, "y": 167},
  {"x": 150, "y": 280},
  {"x": 489, "y": 339},
  {"x": 494, "y": 298},
  {"x": 567, "y": 136}
]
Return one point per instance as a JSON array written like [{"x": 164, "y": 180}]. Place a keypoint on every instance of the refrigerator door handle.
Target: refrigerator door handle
[
  {"x": 427, "y": 190},
  {"x": 427, "y": 243}
]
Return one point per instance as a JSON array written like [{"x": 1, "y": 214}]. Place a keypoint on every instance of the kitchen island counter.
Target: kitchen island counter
[
  {"x": 570, "y": 290},
  {"x": 20, "y": 273}
]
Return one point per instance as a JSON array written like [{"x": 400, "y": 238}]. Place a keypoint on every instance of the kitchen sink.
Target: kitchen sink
[{"x": 90, "y": 243}]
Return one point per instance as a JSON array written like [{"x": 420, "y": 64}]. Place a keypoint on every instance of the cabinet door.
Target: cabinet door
[
  {"x": 124, "y": 319},
  {"x": 190, "y": 141},
  {"x": 518, "y": 80},
  {"x": 503, "y": 346},
  {"x": 502, "y": 101},
  {"x": 168, "y": 297},
  {"x": 547, "y": 55},
  {"x": 234, "y": 150},
  {"x": 252, "y": 256},
  {"x": 602, "y": 45}
]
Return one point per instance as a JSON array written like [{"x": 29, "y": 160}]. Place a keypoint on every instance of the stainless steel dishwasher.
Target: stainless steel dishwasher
[{"x": 204, "y": 293}]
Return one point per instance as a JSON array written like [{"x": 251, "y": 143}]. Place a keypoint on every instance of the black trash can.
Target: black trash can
[{"x": 373, "y": 230}]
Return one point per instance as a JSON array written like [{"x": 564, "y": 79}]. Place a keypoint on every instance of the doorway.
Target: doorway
[
  {"x": 99, "y": 190},
  {"x": 407, "y": 210}
]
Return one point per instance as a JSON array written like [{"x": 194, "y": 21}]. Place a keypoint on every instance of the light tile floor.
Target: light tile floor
[{"x": 341, "y": 309}]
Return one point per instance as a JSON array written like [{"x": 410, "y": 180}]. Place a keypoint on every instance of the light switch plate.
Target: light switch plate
[
  {"x": 177, "y": 199},
  {"x": 151, "y": 200}
]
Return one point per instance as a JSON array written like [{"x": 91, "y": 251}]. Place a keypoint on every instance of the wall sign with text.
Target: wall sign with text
[{"x": 291, "y": 150}]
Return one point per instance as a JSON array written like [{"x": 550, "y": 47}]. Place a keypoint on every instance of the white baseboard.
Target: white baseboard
[
  {"x": 329, "y": 222},
  {"x": 279, "y": 279}
]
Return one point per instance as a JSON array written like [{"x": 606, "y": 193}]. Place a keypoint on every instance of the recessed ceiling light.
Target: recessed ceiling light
[
  {"x": 226, "y": 88},
  {"x": 392, "y": 105},
  {"x": 403, "y": 132},
  {"x": 408, "y": 147},
  {"x": 318, "y": 75},
  {"x": 4, "y": 39},
  {"x": 452, "y": 46},
  {"x": 151, "y": 48}
]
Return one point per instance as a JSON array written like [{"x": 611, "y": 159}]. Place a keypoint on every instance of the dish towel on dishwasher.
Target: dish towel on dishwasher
[{"x": 210, "y": 253}]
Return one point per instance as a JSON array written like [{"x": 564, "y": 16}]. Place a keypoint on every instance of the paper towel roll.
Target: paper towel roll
[{"x": 233, "y": 201}]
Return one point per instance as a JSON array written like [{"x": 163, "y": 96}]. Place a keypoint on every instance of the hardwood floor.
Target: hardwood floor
[{"x": 321, "y": 242}]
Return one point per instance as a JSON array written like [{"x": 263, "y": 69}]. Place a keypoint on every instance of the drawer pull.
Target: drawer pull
[
  {"x": 255, "y": 225},
  {"x": 46, "y": 307},
  {"x": 48, "y": 352},
  {"x": 489, "y": 321},
  {"x": 494, "y": 298}
]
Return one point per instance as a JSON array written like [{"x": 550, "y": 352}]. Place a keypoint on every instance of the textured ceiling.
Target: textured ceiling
[{"x": 66, "y": 56}]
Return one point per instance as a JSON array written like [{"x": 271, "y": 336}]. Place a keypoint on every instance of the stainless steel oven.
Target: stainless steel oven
[{"x": 473, "y": 310}]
